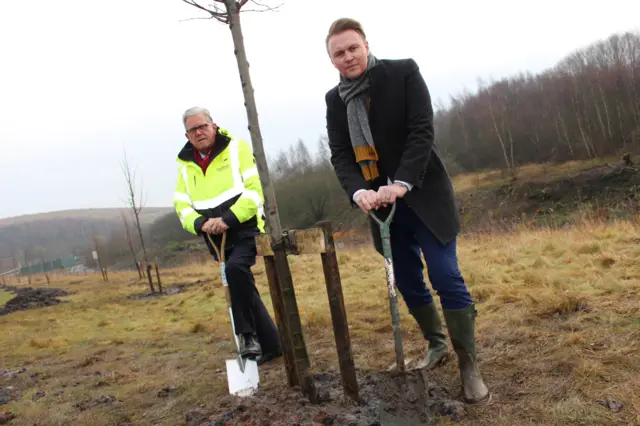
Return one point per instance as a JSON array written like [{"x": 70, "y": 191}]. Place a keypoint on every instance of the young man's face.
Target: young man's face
[
  {"x": 348, "y": 52},
  {"x": 200, "y": 132}
]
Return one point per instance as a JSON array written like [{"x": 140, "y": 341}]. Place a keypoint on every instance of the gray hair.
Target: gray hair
[{"x": 196, "y": 111}]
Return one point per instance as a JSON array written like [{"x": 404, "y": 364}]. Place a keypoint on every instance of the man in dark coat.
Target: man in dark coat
[{"x": 381, "y": 136}]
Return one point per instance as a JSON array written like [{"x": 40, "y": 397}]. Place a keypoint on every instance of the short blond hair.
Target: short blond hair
[{"x": 344, "y": 24}]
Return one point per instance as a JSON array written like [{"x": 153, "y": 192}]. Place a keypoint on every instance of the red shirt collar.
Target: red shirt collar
[{"x": 203, "y": 162}]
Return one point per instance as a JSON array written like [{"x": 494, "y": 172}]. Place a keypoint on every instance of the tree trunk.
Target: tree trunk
[
  {"x": 535, "y": 140},
  {"x": 623, "y": 134},
  {"x": 144, "y": 250},
  {"x": 607, "y": 116},
  {"x": 271, "y": 209},
  {"x": 566, "y": 133},
  {"x": 585, "y": 141},
  {"x": 284, "y": 278},
  {"x": 465, "y": 138},
  {"x": 514, "y": 173},
  {"x": 130, "y": 243},
  {"x": 603, "y": 129},
  {"x": 499, "y": 135}
]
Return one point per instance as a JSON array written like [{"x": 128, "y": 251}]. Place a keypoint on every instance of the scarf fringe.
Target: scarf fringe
[{"x": 367, "y": 157}]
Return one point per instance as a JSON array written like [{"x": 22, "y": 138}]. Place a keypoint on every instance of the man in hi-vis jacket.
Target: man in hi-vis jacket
[{"x": 218, "y": 189}]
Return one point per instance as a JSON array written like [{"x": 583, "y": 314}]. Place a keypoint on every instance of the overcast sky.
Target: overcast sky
[{"x": 80, "y": 79}]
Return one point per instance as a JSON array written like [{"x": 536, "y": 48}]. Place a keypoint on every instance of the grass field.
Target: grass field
[
  {"x": 558, "y": 331},
  {"x": 5, "y": 296}
]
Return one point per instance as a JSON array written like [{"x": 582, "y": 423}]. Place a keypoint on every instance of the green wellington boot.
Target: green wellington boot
[
  {"x": 428, "y": 319},
  {"x": 460, "y": 323}
]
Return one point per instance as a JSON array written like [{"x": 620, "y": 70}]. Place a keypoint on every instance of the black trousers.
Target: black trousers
[{"x": 249, "y": 313}]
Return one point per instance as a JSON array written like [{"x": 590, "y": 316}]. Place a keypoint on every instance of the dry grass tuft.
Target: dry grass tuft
[{"x": 198, "y": 328}]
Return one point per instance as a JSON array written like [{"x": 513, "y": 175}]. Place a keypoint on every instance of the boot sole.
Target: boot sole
[
  {"x": 478, "y": 402},
  {"x": 250, "y": 354}
]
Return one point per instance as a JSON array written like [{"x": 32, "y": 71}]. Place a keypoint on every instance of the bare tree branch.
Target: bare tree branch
[
  {"x": 212, "y": 12},
  {"x": 217, "y": 13},
  {"x": 263, "y": 7},
  {"x": 270, "y": 9},
  {"x": 193, "y": 19},
  {"x": 222, "y": 15}
]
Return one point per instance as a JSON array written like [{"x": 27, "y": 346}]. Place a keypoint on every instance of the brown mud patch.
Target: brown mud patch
[
  {"x": 165, "y": 292},
  {"x": 31, "y": 298},
  {"x": 387, "y": 399}
]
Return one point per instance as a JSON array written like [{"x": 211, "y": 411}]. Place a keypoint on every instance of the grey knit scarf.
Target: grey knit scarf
[{"x": 354, "y": 94}]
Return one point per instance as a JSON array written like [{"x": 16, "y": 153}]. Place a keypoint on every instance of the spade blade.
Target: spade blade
[{"x": 242, "y": 381}]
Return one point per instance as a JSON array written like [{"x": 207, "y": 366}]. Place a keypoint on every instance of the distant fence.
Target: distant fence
[{"x": 51, "y": 265}]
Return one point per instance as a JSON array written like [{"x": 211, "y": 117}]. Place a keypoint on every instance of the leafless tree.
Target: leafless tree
[{"x": 135, "y": 202}]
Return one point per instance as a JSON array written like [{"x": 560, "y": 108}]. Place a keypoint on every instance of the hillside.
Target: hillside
[
  {"x": 108, "y": 214},
  {"x": 548, "y": 195},
  {"x": 61, "y": 233}
]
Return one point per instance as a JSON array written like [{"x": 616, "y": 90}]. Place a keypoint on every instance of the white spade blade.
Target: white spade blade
[{"x": 242, "y": 383}]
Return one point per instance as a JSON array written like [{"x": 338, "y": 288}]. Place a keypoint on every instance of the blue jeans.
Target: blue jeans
[{"x": 410, "y": 237}]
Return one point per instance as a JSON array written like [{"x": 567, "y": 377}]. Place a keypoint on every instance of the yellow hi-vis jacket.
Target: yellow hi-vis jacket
[{"x": 230, "y": 188}]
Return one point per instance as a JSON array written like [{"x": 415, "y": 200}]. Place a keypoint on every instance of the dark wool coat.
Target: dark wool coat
[{"x": 401, "y": 121}]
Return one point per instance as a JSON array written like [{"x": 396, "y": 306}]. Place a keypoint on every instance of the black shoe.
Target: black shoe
[
  {"x": 249, "y": 346},
  {"x": 269, "y": 356}
]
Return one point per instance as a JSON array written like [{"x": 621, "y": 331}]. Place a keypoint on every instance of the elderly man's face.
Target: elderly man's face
[
  {"x": 200, "y": 132},
  {"x": 348, "y": 52}
]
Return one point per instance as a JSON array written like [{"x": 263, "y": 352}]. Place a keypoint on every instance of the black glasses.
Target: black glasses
[{"x": 192, "y": 131}]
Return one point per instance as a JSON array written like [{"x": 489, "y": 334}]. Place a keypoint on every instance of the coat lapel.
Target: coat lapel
[{"x": 375, "y": 94}]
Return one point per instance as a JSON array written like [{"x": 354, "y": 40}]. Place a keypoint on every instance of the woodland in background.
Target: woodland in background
[{"x": 586, "y": 107}]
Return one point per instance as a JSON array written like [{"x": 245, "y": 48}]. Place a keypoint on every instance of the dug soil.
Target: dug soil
[
  {"x": 31, "y": 298},
  {"x": 387, "y": 399}
]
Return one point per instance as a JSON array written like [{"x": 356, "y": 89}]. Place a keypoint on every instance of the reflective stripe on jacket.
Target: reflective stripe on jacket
[{"x": 230, "y": 189}]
